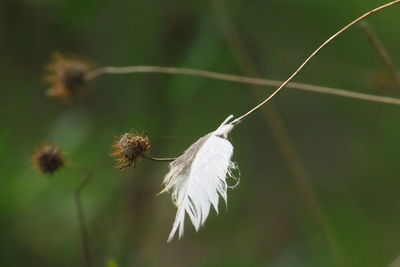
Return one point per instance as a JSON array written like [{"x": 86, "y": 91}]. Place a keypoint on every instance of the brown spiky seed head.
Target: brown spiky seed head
[
  {"x": 48, "y": 159},
  {"x": 66, "y": 77},
  {"x": 129, "y": 147}
]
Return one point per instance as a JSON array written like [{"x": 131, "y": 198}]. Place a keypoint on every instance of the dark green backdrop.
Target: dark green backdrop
[{"x": 348, "y": 147}]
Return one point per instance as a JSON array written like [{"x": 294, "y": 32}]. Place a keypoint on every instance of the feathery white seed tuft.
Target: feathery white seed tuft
[{"x": 198, "y": 177}]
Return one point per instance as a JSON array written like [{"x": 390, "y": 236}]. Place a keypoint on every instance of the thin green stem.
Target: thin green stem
[{"x": 81, "y": 213}]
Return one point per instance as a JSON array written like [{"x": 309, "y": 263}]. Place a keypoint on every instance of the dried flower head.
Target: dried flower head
[
  {"x": 48, "y": 159},
  {"x": 129, "y": 147},
  {"x": 67, "y": 77}
]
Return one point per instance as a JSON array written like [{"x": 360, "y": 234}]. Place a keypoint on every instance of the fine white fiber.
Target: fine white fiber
[{"x": 198, "y": 177}]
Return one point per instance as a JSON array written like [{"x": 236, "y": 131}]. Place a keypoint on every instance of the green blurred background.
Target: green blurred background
[{"x": 347, "y": 147}]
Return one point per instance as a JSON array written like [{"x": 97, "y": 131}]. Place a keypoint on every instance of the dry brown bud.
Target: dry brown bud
[
  {"x": 129, "y": 147},
  {"x": 48, "y": 159},
  {"x": 67, "y": 77}
]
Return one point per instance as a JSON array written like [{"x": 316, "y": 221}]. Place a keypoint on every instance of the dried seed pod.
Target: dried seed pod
[
  {"x": 67, "y": 77},
  {"x": 48, "y": 159},
  {"x": 129, "y": 147}
]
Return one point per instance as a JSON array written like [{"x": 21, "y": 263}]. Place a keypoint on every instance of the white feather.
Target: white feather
[{"x": 198, "y": 177}]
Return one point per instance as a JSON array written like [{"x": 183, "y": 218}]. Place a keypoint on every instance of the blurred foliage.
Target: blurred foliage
[{"x": 348, "y": 146}]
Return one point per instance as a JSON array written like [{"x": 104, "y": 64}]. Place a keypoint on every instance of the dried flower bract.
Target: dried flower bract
[
  {"x": 129, "y": 147},
  {"x": 48, "y": 159},
  {"x": 67, "y": 77}
]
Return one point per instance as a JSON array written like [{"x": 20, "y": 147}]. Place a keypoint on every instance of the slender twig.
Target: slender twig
[
  {"x": 278, "y": 128},
  {"x": 381, "y": 51},
  {"x": 81, "y": 212},
  {"x": 323, "y": 45},
  {"x": 241, "y": 79},
  {"x": 157, "y": 159}
]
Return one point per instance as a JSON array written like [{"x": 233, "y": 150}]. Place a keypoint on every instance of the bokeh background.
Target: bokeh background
[{"x": 346, "y": 148}]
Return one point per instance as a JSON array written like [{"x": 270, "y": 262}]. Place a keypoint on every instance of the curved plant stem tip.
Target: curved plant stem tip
[{"x": 322, "y": 46}]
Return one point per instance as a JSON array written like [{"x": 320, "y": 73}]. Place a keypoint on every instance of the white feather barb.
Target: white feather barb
[{"x": 198, "y": 177}]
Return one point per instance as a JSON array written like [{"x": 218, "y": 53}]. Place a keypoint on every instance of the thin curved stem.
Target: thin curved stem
[
  {"x": 322, "y": 46},
  {"x": 241, "y": 79},
  {"x": 81, "y": 213},
  {"x": 298, "y": 170}
]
